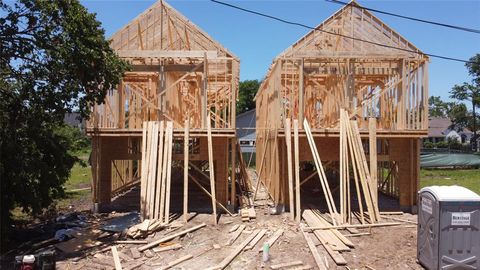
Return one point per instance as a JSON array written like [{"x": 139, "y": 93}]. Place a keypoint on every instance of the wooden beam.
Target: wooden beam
[
  {"x": 170, "y": 237},
  {"x": 211, "y": 169},
  {"x": 185, "y": 171},
  {"x": 297, "y": 170},
  {"x": 372, "y": 127},
  {"x": 288, "y": 140},
  {"x": 165, "y": 54}
]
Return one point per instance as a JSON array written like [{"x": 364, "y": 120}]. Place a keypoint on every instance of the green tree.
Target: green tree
[
  {"x": 247, "y": 91},
  {"x": 437, "y": 107},
  {"x": 470, "y": 92},
  {"x": 54, "y": 59}
]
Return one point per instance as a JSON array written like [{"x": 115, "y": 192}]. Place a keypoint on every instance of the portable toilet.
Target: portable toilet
[{"x": 448, "y": 233}]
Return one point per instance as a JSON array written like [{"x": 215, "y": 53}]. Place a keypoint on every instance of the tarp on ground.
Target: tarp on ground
[{"x": 449, "y": 160}]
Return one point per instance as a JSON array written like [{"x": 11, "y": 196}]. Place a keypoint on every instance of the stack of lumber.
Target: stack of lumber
[
  {"x": 247, "y": 214},
  {"x": 156, "y": 170},
  {"x": 352, "y": 153},
  {"x": 332, "y": 240}
]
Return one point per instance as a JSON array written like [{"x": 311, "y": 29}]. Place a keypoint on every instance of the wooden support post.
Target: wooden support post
[
  {"x": 372, "y": 129},
  {"x": 233, "y": 192},
  {"x": 300, "y": 92},
  {"x": 297, "y": 170},
  {"x": 185, "y": 170},
  {"x": 158, "y": 187},
  {"x": 288, "y": 140},
  {"x": 169, "y": 134},
  {"x": 211, "y": 169},
  {"x": 143, "y": 179}
]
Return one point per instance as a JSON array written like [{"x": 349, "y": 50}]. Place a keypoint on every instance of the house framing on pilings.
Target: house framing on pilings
[
  {"x": 325, "y": 71},
  {"x": 178, "y": 73}
]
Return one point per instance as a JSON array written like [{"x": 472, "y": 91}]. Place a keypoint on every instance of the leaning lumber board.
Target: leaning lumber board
[
  {"x": 152, "y": 171},
  {"x": 236, "y": 235},
  {"x": 297, "y": 171},
  {"x": 321, "y": 173},
  {"x": 285, "y": 265},
  {"x": 143, "y": 178},
  {"x": 256, "y": 239},
  {"x": 211, "y": 169},
  {"x": 273, "y": 239},
  {"x": 288, "y": 140},
  {"x": 158, "y": 186},
  {"x": 169, "y": 171},
  {"x": 185, "y": 170},
  {"x": 237, "y": 251},
  {"x": 314, "y": 250},
  {"x": 170, "y": 237},
  {"x": 116, "y": 259},
  {"x": 177, "y": 261}
]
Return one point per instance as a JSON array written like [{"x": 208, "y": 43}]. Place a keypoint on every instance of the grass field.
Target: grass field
[{"x": 466, "y": 178}]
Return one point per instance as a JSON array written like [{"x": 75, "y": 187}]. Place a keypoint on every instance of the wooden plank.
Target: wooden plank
[
  {"x": 225, "y": 262},
  {"x": 288, "y": 140},
  {"x": 159, "y": 196},
  {"x": 211, "y": 169},
  {"x": 116, "y": 259},
  {"x": 256, "y": 239},
  {"x": 273, "y": 239},
  {"x": 236, "y": 235},
  {"x": 177, "y": 261},
  {"x": 372, "y": 135},
  {"x": 135, "y": 253},
  {"x": 297, "y": 170},
  {"x": 313, "y": 249},
  {"x": 185, "y": 171},
  {"x": 286, "y": 264},
  {"x": 143, "y": 178},
  {"x": 386, "y": 224},
  {"x": 170, "y": 237},
  {"x": 234, "y": 228},
  {"x": 152, "y": 170},
  {"x": 169, "y": 134},
  {"x": 167, "y": 248}
]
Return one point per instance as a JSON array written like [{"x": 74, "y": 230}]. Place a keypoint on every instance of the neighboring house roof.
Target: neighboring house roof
[
  {"x": 73, "y": 119},
  {"x": 440, "y": 127},
  {"x": 246, "y": 123}
]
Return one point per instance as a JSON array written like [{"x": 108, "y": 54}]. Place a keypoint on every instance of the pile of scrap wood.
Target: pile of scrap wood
[
  {"x": 156, "y": 170},
  {"x": 145, "y": 228}
]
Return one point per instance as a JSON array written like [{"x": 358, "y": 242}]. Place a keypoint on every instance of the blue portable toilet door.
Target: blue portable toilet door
[{"x": 427, "y": 233}]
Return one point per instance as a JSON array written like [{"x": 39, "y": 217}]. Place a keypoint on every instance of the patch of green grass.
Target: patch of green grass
[
  {"x": 80, "y": 177},
  {"x": 445, "y": 177}
]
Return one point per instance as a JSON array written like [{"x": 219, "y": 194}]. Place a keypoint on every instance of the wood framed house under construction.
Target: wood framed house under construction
[
  {"x": 360, "y": 108},
  {"x": 180, "y": 77}
]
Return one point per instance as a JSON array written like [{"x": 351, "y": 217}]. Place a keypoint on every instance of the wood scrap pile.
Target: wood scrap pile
[
  {"x": 156, "y": 170},
  {"x": 145, "y": 228}
]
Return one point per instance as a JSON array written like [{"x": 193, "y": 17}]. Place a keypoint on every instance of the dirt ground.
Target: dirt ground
[{"x": 384, "y": 248}]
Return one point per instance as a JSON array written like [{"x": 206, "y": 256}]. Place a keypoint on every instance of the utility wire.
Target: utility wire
[
  {"x": 337, "y": 34},
  {"x": 476, "y": 31}
]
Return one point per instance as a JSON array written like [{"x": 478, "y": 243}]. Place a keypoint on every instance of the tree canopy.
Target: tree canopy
[
  {"x": 247, "y": 91},
  {"x": 54, "y": 59}
]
